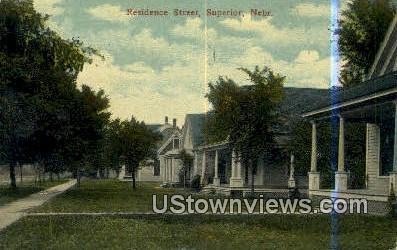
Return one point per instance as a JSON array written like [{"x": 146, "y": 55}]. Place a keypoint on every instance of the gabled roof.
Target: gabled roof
[
  {"x": 386, "y": 58},
  {"x": 166, "y": 142},
  {"x": 167, "y": 133},
  {"x": 195, "y": 123}
]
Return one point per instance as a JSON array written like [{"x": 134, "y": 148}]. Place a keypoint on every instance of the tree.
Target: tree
[
  {"x": 137, "y": 143},
  {"x": 247, "y": 115},
  {"x": 363, "y": 27},
  {"x": 89, "y": 118},
  {"x": 43, "y": 112}
]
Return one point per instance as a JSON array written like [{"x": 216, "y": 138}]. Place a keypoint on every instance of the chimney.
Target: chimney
[
  {"x": 166, "y": 120},
  {"x": 174, "y": 123}
]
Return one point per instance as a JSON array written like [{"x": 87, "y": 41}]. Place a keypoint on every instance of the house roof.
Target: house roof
[
  {"x": 154, "y": 127},
  {"x": 296, "y": 101},
  {"x": 381, "y": 82},
  {"x": 196, "y": 124},
  {"x": 386, "y": 58},
  {"x": 166, "y": 141},
  {"x": 338, "y": 96},
  {"x": 167, "y": 133}
]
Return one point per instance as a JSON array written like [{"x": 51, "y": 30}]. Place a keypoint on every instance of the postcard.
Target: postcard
[{"x": 198, "y": 124}]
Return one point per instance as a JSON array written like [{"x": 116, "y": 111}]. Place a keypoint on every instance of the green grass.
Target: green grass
[
  {"x": 106, "y": 196},
  {"x": 182, "y": 232},
  {"x": 24, "y": 189},
  {"x": 199, "y": 232}
]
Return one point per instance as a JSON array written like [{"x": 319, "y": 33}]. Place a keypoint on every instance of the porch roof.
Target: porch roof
[{"x": 383, "y": 88}]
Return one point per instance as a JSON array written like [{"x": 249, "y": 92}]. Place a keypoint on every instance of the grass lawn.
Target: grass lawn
[
  {"x": 106, "y": 196},
  {"x": 183, "y": 232},
  {"x": 199, "y": 232},
  {"x": 24, "y": 189}
]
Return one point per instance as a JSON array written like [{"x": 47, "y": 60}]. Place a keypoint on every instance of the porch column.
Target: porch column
[
  {"x": 291, "y": 180},
  {"x": 203, "y": 164},
  {"x": 165, "y": 169},
  {"x": 314, "y": 175},
  {"x": 235, "y": 180},
  {"x": 162, "y": 168},
  {"x": 173, "y": 177},
  {"x": 217, "y": 181},
  {"x": 170, "y": 170},
  {"x": 393, "y": 174},
  {"x": 341, "y": 175}
]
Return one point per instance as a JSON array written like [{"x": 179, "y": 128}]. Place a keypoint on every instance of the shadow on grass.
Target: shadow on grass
[{"x": 23, "y": 190}]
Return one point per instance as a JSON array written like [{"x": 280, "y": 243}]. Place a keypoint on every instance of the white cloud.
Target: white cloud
[
  {"x": 108, "y": 12},
  {"x": 307, "y": 70},
  {"x": 307, "y": 56},
  {"x": 312, "y": 10},
  {"x": 49, "y": 7},
  {"x": 139, "y": 90},
  {"x": 267, "y": 31},
  {"x": 194, "y": 28}
]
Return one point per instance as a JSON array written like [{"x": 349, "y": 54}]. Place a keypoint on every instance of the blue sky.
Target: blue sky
[{"x": 157, "y": 66}]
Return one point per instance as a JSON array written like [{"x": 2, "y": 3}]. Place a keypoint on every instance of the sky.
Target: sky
[{"x": 160, "y": 66}]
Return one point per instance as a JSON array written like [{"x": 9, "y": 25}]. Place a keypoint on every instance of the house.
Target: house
[
  {"x": 150, "y": 169},
  {"x": 373, "y": 103},
  {"x": 222, "y": 171},
  {"x": 188, "y": 139},
  {"x": 216, "y": 164}
]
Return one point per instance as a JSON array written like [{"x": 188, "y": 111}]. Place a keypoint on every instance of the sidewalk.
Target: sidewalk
[{"x": 17, "y": 209}]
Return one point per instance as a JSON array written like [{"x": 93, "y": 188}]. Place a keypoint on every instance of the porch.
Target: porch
[
  {"x": 222, "y": 170},
  {"x": 374, "y": 104}
]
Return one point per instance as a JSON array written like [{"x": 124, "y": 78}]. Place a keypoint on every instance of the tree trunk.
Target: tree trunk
[
  {"x": 133, "y": 178},
  {"x": 13, "y": 181},
  {"x": 51, "y": 177},
  {"x": 20, "y": 172}
]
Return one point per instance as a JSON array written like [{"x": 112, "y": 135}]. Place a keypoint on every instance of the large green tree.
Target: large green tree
[
  {"x": 42, "y": 110},
  {"x": 362, "y": 29},
  {"x": 246, "y": 115}
]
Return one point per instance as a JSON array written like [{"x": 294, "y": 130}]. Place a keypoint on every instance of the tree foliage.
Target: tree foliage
[
  {"x": 136, "y": 143},
  {"x": 363, "y": 27},
  {"x": 246, "y": 115},
  {"x": 45, "y": 118}
]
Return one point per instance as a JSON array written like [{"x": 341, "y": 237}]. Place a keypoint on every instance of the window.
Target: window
[{"x": 176, "y": 143}]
